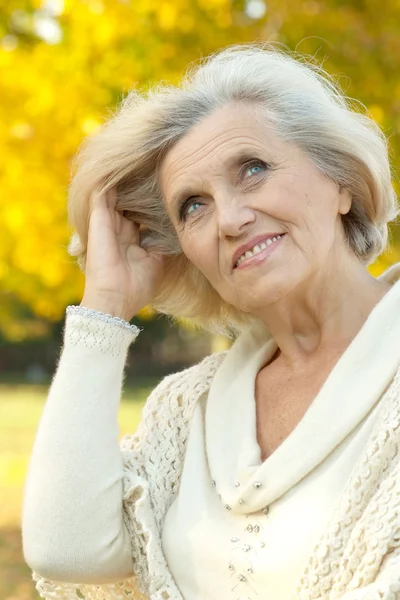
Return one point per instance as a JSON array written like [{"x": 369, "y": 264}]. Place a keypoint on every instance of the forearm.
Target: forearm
[{"x": 72, "y": 514}]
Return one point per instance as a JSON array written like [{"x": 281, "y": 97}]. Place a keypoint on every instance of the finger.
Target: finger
[
  {"x": 98, "y": 198},
  {"x": 129, "y": 232},
  {"x": 111, "y": 197},
  {"x": 135, "y": 233}
]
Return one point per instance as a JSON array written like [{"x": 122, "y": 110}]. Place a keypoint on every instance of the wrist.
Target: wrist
[
  {"x": 100, "y": 316},
  {"x": 111, "y": 306}
]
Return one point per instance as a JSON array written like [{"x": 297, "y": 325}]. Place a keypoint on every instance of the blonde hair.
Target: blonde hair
[{"x": 305, "y": 106}]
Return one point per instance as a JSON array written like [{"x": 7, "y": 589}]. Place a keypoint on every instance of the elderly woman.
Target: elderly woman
[{"x": 250, "y": 199}]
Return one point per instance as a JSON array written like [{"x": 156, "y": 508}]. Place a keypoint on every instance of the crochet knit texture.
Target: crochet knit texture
[{"x": 357, "y": 558}]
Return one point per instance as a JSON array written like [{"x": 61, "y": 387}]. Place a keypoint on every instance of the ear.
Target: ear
[{"x": 345, "y": 200}]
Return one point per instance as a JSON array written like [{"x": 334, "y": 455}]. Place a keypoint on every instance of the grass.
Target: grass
[{"x": 20, "y": 409}]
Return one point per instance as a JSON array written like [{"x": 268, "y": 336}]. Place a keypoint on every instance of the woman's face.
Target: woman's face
[{"x": 228, "y": 185}]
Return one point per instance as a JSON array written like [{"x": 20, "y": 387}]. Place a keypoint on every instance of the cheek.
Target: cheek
[
  {"x": 203, "y": 254},
  {"x": 195, "y": 248},
  {"x": 311, "y": 219}
]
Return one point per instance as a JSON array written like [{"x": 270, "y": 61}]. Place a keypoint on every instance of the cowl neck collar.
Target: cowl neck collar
[{"x": 352, "y": 389}]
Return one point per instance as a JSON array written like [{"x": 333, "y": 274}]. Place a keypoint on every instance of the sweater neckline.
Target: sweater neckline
[{"x": 352, "y": 389}]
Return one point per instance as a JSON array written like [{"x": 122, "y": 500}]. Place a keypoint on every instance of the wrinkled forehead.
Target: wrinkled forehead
[{"x": 212, "y": 146}]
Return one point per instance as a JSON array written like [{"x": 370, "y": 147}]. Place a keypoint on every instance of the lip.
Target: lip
[{"x": 250, "y": 244}]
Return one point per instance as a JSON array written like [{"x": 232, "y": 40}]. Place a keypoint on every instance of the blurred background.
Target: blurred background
[{"x": 64, "y": 66}]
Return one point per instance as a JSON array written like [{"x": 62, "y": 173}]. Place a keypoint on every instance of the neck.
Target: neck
[{"x": 321, "y": 317}]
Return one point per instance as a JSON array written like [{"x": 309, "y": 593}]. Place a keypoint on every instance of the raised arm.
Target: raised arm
[
  {"x": 72, "y": 523},
  {"x": 72, "y": 520}
]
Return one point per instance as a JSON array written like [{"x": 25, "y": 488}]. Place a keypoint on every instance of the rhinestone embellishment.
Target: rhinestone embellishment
[{"x": 242, "y": 567}]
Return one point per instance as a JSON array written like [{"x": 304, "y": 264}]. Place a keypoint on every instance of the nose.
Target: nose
[{"x": 233, "y": 215}]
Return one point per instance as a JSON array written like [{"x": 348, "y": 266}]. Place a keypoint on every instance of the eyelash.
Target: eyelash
[{"x": 251, "y": 163}]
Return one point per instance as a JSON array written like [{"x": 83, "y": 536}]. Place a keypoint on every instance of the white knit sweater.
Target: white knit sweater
[{"x": 356, "y": 558}]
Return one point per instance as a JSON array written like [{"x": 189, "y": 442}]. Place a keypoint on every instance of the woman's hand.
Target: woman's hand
[{"x": 121, "y": 277}]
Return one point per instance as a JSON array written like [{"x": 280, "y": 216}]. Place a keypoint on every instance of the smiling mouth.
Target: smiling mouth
[{"x": 257, "y": 249}]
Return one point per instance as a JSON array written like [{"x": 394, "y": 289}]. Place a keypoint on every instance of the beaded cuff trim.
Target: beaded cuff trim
[{"x": 82, "y": 311}]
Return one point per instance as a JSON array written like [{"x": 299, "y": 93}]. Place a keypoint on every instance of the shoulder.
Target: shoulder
[
  {"x": 198, "y": 377},
  {"x": 177, "y": 394}
]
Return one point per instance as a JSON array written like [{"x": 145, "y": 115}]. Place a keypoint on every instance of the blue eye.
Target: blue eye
[
  {"x": 255, "y": 168},
  {"x": 184, "y": 210},
  {"x": 189, "y": 206}
]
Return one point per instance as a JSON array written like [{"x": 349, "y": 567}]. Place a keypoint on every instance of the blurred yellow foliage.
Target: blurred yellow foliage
[
  {"x": 64, "y": 65},
  {"x": 167, "y": 15},
  {"x": 377, "y": 113},
  {"x": 147, "y": 313}
]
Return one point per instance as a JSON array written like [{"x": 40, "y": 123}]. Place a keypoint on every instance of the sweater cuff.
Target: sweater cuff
[{"x": 95, "y": 330}]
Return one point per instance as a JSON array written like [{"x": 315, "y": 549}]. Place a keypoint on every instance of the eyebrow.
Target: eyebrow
[{"x": 235, "y": 160}]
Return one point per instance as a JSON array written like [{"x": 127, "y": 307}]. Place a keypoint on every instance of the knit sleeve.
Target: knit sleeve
[{"x": 72, "y": 519}]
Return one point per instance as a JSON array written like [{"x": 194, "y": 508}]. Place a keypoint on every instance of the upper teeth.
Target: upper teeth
[{"x": 257, "y": 249}]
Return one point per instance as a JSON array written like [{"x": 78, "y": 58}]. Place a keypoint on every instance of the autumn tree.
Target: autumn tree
[{"x": 64, "y": 65}]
